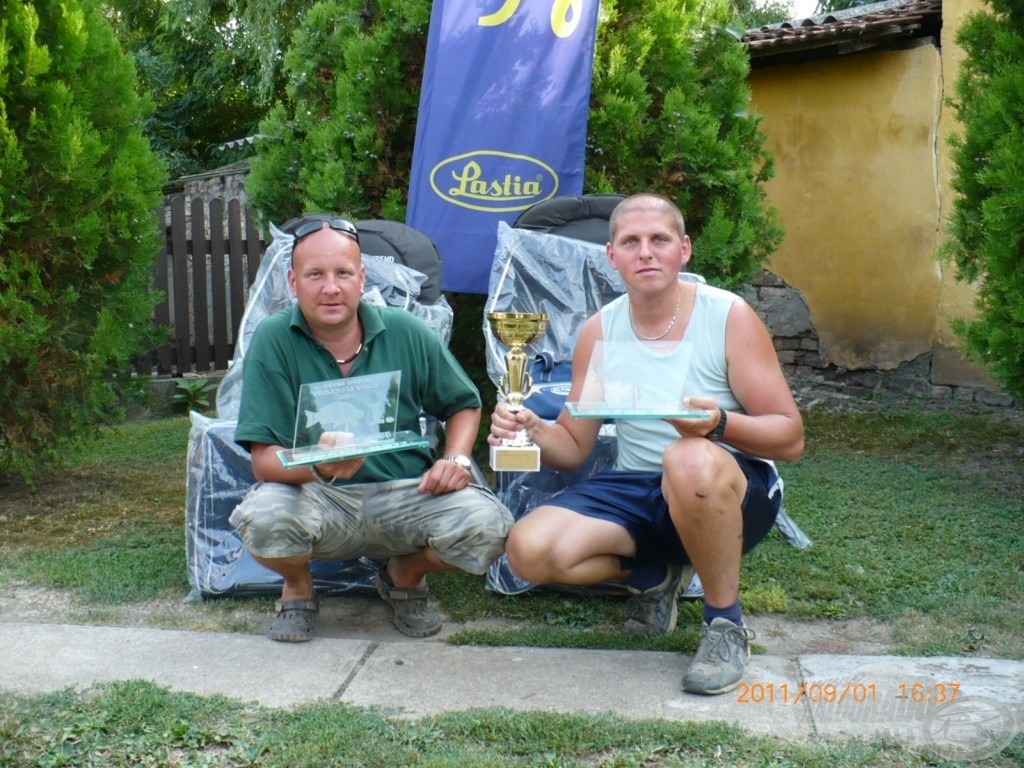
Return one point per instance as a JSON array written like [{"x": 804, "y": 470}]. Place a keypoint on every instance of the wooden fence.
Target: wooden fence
[{"x": 211, "y": 256}]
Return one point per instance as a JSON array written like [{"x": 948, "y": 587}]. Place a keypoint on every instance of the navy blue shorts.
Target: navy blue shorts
[{"x": 634, "y": 501}]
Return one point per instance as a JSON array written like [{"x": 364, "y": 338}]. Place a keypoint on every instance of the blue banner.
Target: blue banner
[{"x": 502, "y": 122}]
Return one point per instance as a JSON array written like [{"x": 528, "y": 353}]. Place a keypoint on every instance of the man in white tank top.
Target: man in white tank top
[{"x": 687, "y": 493}]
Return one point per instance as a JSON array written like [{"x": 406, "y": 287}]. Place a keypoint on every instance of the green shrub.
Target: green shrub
[
  {"x": 78, "y": 190},
  {"x": 670, "y": 113},
  {"x": 987, "y": 225},
  {"x": 342, "y": 139}
]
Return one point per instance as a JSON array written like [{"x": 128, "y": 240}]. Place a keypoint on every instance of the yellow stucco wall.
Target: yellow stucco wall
[
  {"x": 863, "y": 188},
  {"x": 857, "y": 187}
]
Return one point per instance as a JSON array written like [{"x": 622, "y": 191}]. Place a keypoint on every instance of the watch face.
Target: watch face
[{"x": 463, "y": 462}]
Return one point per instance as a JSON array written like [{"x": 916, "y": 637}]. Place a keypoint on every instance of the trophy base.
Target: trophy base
[{"x": 515, "y": 458}]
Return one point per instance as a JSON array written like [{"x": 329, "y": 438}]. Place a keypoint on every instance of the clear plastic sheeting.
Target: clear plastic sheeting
[
  {"x": 567, "y": 279},
  {"x": 220, "y": 471},
  {"x": 219, "y": 476}
]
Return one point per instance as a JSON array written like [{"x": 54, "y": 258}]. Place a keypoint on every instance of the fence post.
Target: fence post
[
  {"x": 181, "y": 326},
  {"x": 162, "y": 311},
  {"x": 200, "y": 284},
  {"x": 218, "y": 281}
]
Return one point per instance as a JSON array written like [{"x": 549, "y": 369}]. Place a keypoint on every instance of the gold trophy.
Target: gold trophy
[{"x": 517, "y": 329}]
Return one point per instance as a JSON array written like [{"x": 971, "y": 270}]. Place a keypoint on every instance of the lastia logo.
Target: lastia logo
[{"x": 495, "y": 182}]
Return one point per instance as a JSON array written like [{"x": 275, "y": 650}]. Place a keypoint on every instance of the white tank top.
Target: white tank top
[{"x": 667, "y": 372}]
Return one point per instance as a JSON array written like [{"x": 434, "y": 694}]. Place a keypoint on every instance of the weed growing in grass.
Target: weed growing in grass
[{"x": 194, "y": 394}]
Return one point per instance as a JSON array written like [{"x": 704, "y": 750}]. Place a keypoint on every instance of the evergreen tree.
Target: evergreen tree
[
  {"x": 342, "y": 139},
  {"x": 669, "y": 112},
  {"x": 987, "y": 225},
  {"x": 79, "y": 187}
]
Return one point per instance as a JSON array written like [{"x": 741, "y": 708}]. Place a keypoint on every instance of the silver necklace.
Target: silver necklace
[
  {"x": 359, "y": 349},
  {"x": 671, "y": 323}
]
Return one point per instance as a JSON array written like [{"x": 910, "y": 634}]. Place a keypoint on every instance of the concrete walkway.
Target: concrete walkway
[{"x": 965, "y": 708}]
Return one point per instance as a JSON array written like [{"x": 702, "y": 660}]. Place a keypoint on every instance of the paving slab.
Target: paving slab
[
  {"x": 40, "y": 658},
  {"x": 417, "y": 680},
  {"x": 958, "y": 708}
]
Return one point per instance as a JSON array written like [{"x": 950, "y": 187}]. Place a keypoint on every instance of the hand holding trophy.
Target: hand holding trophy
[{"x": 517, "y": 329}]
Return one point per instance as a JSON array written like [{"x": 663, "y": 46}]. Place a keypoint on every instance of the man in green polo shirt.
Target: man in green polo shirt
[{"x": 419, "y": 514}]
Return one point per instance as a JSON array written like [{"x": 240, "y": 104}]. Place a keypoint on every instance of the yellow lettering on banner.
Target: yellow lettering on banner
[
  {"x": 565, "y": 16},
  {"x": 471, "y": 172},
  {"x": 472, "y": 185},
  {"x": 489, "y": 180},
  {"x": 500, "y": 16}
]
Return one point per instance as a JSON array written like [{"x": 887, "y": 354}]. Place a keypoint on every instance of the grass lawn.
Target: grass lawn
[{"x": 916, "y": 520}]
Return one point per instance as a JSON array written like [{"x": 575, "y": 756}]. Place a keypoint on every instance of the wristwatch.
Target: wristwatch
[
  {"x": 322, "y": 478},
  {"x": 463, "y": 461},
  {"x": 718, "y": 432}
]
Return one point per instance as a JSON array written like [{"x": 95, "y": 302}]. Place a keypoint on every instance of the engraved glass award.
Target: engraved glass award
[{"x": 348, "y": 418}]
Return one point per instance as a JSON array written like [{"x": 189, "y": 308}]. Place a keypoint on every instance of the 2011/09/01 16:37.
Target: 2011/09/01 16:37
[{"x": 833, "y": 693}]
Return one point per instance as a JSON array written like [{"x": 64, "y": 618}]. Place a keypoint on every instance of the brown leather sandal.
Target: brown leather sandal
[{"x": 412, "y": 615}]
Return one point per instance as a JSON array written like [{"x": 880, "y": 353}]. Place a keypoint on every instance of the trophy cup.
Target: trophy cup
[{"x": 517, "y": 329}]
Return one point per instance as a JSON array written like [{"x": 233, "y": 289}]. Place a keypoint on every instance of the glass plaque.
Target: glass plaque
[
  {"x": 630, "y": 380},
  {"x": 601, "y": 410},
  {"x": 348, "y": 418}
]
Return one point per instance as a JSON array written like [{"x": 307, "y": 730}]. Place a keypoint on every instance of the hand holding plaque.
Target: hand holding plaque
[{"x": 517, "y": 329}]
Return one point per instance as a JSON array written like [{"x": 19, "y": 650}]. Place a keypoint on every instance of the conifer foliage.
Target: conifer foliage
[
  {"x": 987, "y": 225},
  {"x": 79, "y": 187},
  {"x": 669, "y": 113},
  {"x": 342, "y": 139}
]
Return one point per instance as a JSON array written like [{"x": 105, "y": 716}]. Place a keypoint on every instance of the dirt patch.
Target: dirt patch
[
  {"x": 858, "y": 637},
  {"x": 364, "y": 617}
]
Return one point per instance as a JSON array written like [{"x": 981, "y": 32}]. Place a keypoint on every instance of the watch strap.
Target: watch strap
[
  {"x": 457, "y": 458},
  {"x": 718, "y": 432}
]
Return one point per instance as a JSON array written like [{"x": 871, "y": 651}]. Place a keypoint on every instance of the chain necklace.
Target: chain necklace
[
  {"x": 347, "y": 360},
  {"x": 671, "y": 323}
]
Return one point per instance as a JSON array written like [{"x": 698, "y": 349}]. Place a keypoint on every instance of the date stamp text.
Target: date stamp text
[{"x": 842, "y": 692}]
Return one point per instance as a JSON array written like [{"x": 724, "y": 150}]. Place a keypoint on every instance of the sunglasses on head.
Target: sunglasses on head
[{"x": 315, "y": 225}]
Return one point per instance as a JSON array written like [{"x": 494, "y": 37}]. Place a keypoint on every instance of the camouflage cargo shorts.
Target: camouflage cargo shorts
[{"x": 467, "y": 529}]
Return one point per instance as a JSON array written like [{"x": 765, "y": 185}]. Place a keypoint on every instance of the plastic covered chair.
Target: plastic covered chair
[{"x": 403, "y": 269}]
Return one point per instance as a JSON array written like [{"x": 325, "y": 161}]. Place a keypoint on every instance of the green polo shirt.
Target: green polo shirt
[{"x": 283, "y": 355}]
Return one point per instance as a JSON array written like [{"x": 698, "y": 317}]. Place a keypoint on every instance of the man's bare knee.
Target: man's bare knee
[
  {"x": 698, "y": 473},
  {"x": 528, "y": 557}
]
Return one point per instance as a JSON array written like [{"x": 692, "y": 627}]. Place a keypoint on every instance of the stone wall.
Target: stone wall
[
  {"x": 226, "y": 183},
  {"x": 922, "y": 381}
]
